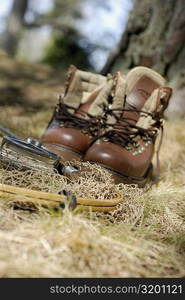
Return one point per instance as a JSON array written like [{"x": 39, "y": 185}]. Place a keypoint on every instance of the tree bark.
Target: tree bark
[
  {"x": 154, "y": 37},
  {"x": 14, "y": 26}
]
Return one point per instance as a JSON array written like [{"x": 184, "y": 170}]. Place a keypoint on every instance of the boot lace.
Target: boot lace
[
  {"x": 67, "y": 116},
  {"x": 124, "y": 131}
]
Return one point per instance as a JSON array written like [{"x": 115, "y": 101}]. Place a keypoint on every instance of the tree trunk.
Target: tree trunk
[
  {"x": 154, "y": 37},
  {"x": 14, "y": 26}
]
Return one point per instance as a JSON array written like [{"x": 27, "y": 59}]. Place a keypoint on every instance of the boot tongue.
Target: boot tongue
[
  {"x": 112, "y": 94},
  {"x": 141, "y": 82},
  {"x": 79, "y": 85},
  {"x": 141, "y": 92},
  {"x": 96, "y": 107}
]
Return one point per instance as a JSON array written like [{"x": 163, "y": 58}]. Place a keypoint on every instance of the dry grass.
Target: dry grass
[{"x": 143, "y": 237}]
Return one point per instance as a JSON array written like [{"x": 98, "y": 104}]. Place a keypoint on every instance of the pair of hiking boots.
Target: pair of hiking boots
[{"x": 111, "y": 120}]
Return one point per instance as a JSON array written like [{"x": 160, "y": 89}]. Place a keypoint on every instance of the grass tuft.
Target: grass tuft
[{"x": 143, "y": 237}]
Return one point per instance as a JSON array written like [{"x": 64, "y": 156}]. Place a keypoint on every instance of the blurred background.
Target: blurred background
[
  {"x": 61, "y": 32},
  {"x": 40, "y": 39}
]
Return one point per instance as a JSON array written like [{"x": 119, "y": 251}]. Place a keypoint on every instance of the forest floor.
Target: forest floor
[{"x": 143, "y": 237}]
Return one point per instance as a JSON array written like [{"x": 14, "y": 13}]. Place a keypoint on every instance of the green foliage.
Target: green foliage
[{"x": 64, "y": 50}]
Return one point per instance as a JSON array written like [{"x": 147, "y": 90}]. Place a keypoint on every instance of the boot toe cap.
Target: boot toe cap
[
  {"x": 118, "y": 159},
  {"x": 105, "y": 153},
  {"x": 68, "y": 137}
]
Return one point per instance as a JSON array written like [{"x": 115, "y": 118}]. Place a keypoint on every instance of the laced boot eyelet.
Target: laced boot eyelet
[
  {"x": 142, "y": 148},
  {"x": 136, "y": 144},
  {"x": 134, "y": 153},
  {"x": 128, "y": 147},
  {"x": 162, "y": 121}
]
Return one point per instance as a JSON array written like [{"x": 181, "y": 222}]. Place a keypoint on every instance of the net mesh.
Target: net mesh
[{"x": 93, "y": 182}]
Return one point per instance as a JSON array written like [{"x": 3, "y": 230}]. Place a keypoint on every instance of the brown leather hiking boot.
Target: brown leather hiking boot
[
  {"x": 127, "y": 147},
  {"x": 74, "y": 122}
]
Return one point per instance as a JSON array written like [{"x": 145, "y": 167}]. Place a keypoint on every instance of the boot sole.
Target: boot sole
[
  {"x": 65, "y": 153},
  {"x": 122, "y": 178}
]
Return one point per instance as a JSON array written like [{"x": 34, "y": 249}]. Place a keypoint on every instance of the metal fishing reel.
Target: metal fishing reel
[{"x": 30, "y": 154}]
